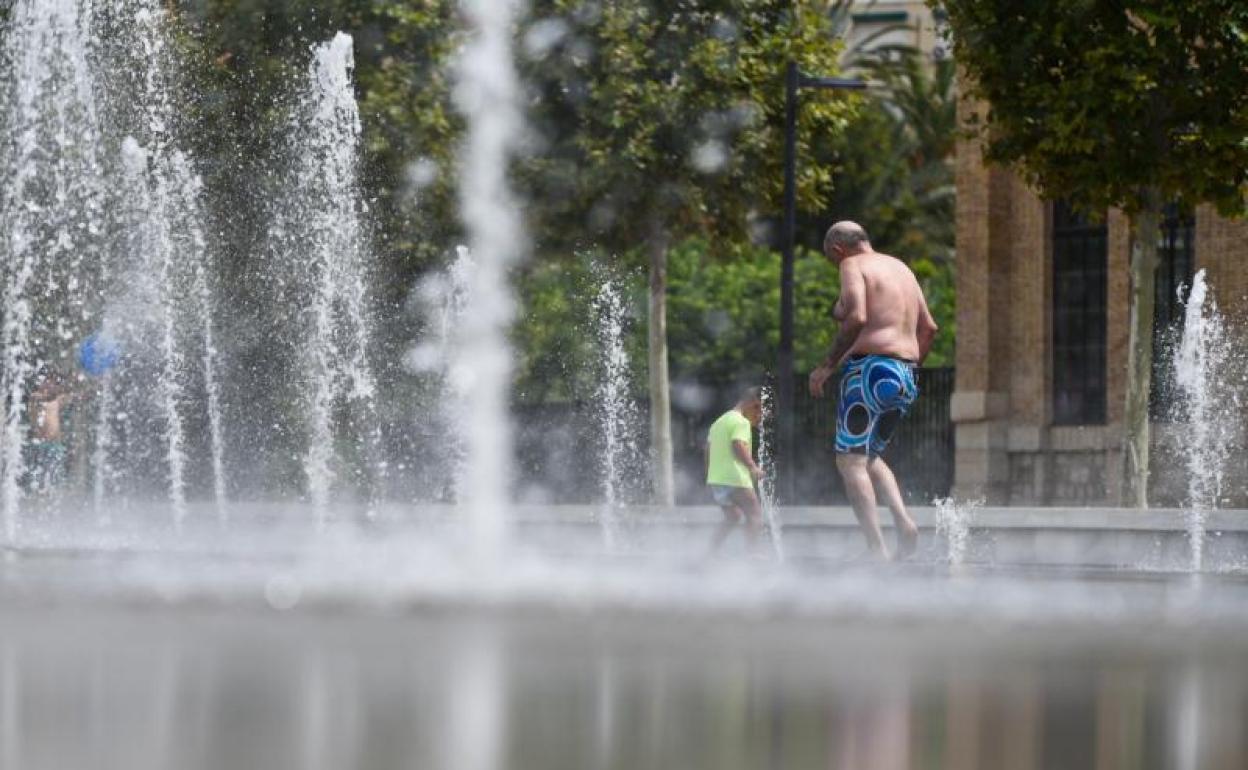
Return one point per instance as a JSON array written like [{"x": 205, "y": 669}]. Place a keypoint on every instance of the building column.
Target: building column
[
  {"x": 980, "y": 400},
  {"x": 1117, "y": 337},
  {"x": 1029, "y": 358},
  {"x": 1222, "y": 249}
]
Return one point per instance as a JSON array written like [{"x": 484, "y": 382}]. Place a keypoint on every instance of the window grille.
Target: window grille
[{"x": 1080, "y": 256}]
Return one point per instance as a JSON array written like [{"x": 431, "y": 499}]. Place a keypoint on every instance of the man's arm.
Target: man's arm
[
  {"x": 926, "y": 328},
  {"x": 852, "y": 313}
]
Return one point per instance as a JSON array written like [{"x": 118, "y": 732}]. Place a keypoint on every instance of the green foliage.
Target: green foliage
[
  {"x": 641, "y": 110},
  {"x": 1101, "y": 102},
  {"x": 723, "y": 317},
  {"x": 894, "y": 162},
  {"x": 723, "y": 323},
  {"x": 669, "y": 116},
  {"x": 252, "y": 53},
  {"x": 555, "y": 344},
  {"x": 415, "y": 132},
  {"x": 894, "y": 175},
  {"x": 937, "y": 280}
]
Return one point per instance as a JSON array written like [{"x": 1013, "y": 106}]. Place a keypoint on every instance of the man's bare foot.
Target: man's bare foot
[{"x": 907, "y": 541}]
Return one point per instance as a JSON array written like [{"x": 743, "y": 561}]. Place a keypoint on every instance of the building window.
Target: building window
[
  {"x": 1080, "y": 257},
  {"x": 1176, "y": 252}
]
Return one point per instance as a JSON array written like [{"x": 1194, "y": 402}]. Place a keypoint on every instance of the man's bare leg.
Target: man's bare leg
[
  {"x": 853, "y": 468},
  {"x": 886, "y": 485}
]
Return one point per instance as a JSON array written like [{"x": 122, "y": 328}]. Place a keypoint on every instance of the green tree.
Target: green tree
[
  {"x": 1126, "y": 104},
  {"x": 921, "y": 103},
  {"x": 247, "y": 60},
  {"x": 662, "y": 120},
  {"x": 894, "y": 174},
  {"x": 724, "y": 326},
  {"x": 250, "y": 55},
  {"x": 557, "y": 345}
]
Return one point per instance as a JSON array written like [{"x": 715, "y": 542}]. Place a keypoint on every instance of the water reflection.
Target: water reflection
[{"x": 187, "y": 690}]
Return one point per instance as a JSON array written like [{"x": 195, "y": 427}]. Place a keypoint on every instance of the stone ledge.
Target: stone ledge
[
  {"x": 1083, "y": 438},
  {"x": 977, "y": 405},
  {"x": 991, "y": 517},
  {"x": 990, "y": 436}
]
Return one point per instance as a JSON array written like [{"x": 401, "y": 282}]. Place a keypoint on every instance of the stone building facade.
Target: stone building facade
[
  {"x": 1042, "y": 339},
  {"x": 884, "y": 23}
]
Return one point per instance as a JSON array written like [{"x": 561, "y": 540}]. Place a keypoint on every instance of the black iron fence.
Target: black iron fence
[
  {"x": 557, "y": 445},
  {"x": 921, "y": 453}
]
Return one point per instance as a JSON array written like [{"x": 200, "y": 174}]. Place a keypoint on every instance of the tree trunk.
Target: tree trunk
[
  {"x": 660, "y": 396},
  {"x": 1145, "y": 227}
]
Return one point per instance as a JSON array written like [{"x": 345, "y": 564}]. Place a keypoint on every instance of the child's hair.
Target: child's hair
[
  {"x": 751, "y": 395},
  {"x": 49, "y": 377}
]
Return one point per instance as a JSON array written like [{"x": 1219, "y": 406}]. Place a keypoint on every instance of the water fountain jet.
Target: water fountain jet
[
  {"x": 322, "y": 244},
  {"x": 767, "y": 485},
  {"x": 1208, "y": 372},
  {"x": 615, "y": 411},
  {"x": 487, "y": 93}
]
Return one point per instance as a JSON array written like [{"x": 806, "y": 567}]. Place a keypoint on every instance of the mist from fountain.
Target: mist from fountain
[
  {"x": 52, "y": 204},
  {"x": 445, "y": 297},
  {"x": 338, "y": 601},
  {"x": 160, "y": 303},
  {"x": 487, "y": 93},
  {"x": 104, "y": 239},
  {"x": 1209, "y": 376}
]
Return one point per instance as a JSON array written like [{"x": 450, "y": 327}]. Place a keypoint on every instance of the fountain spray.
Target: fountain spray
[
  {"x": 487, "y": 94},
  {"x": 1208, "y": 374}
]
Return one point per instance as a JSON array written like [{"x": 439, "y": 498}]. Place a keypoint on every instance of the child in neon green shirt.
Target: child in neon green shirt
[{"x": 731, "y": 470}]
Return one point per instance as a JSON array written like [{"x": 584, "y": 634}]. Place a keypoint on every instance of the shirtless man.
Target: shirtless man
[{"x": 886, "y": 331}]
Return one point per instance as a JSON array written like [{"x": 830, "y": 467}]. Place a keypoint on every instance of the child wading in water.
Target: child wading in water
[
  {"x": 46, "y": 454},
  {"x": 731, "y": 470}
]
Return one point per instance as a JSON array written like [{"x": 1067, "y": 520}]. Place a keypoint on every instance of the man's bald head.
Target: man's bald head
[{"x": 845, "y": 238}]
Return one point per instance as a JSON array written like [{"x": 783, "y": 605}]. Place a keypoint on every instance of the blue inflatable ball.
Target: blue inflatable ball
[{"x": 97, "y": 354}]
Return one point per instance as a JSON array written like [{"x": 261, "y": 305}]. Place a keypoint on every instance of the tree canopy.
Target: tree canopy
[
  {"x": 672, "y": 111},
  {"x": 634, "y": 107},
  {"x": 1116, "y": 104},
  {"x": 1098, "y": 102}
]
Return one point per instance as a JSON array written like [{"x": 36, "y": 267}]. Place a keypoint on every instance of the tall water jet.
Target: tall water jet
[
  {"x": 767, "y": 485},
  {"x": 444, "y": 296},
  {"x": 323, "y": 244},
  {"x": 51, "y": 203},
  {"x": 1208, "y": 374},
  {"x": 487, "y": 93},
  {"x": 614, "y": 409},
  {"x": 100, "y": 239},
  {"x": 161, "y": 307}
]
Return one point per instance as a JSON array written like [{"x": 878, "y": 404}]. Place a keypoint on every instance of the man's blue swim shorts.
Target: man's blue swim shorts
[{"x": 876, "y": 392}]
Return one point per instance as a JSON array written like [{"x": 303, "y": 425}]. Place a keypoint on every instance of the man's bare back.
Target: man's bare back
[
  {"x": 893, "y": 301},
  {"x": 883, "y": 317}
]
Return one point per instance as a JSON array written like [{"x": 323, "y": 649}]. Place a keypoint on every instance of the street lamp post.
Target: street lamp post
[{"x": 794, "y": 80}]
